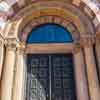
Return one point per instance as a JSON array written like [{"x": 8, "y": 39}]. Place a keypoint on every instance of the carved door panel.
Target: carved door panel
[{"x": 50, "y": 77}]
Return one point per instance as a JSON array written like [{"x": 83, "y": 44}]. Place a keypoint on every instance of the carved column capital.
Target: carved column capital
[
  {"x": 77, "y": 48},
  {"x": 21, "y": 48},
  {"x": 11, "y": 44},
  {"x": 98, "y": 38},
  {"x": 87, "y": 40}
]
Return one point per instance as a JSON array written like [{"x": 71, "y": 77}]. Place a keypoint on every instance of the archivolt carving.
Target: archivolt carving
[
  {"x": 58, "y": 12},
  {"x": 67, "y": 24},
  {"x": 53, "y": 8}
]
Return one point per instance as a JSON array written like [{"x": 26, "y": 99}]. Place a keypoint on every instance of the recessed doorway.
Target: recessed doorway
[{"x": 50, "y": 77}]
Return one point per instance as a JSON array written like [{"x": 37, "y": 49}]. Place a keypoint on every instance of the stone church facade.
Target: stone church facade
[{"x": 76, "y": 16}]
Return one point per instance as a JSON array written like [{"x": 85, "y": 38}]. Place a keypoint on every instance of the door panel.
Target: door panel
[
  {"x": 50, "y": 77},
  {"x": 63, "y": 77},
  {"x": 37, "y": 77}
]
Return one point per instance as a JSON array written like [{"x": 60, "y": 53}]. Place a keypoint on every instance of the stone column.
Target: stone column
[
  {"x": 80, "y": 76},
  {"x": 98, "y": 57},
  {"x": 93, "y": 82},
  {"x": 97, "y": 47},
  {"x": 1, "y": 54},
  {"x": 18, "y": 91},
  {"x": 8, "y": 71}
]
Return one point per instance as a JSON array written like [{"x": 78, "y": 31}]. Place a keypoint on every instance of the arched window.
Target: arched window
[{"x": 49, "y": 33}]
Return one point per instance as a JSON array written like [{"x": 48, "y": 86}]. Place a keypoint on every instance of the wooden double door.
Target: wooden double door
[{"x": 50, "y": 77}]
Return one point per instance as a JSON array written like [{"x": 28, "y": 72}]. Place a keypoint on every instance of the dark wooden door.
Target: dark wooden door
[{"x": 50, "y": 77}]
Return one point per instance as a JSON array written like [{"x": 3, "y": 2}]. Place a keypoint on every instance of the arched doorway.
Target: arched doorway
[
  {"x": 64, "y": 14},
  {"x": 50, "y": 76}
]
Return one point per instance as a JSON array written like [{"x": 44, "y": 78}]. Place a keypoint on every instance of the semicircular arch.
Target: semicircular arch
[{"x": 52, "y": 8}]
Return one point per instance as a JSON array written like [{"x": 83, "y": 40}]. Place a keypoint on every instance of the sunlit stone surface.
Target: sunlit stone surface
[{"x": 49, "y": 49}]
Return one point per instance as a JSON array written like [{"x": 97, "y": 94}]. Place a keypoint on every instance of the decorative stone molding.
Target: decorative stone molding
[
  {"x": 83, "y": 6},
  {"x": 67, "y": 24},
  {"x": 11, "y": 44},
  {"x": 77, "y": 48},
  {"x": 1, "y": 41},
  {"x": 49, "y": 48},
  {"x": 18, "y": 5},
  {"x": 21, "y": 48},
  {"x": 12, "y": 29},
  {"x": 14, "y": 44},
  {"x": 87, "y": 40},
  {"x": 53, "y": 8}
]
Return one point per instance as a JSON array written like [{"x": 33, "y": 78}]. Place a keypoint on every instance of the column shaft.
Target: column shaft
[
  {"x": 1, "y": 54},
  {"x": 18, "y": 92},
  {"x": 80, "y": 75},
  {"x": 7, "y": 77},
  {"x": 98, "y": 57},
  {"x": 1, "y": 58},
  {"x": 92, "y": 74}
]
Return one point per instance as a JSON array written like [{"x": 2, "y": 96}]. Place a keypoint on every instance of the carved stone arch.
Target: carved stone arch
[
  {"x": 52, "y": 8},
  {"x": 67, "y": 24}
]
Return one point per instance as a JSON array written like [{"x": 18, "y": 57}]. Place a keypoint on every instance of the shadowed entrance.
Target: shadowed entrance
[{"x": 50, "y": 76}]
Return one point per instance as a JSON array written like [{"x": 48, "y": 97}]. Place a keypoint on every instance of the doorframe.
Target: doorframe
[
  {"x": 49, "y": 48},
  {"x": 62, "y": 53}
]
